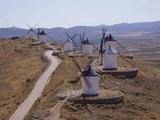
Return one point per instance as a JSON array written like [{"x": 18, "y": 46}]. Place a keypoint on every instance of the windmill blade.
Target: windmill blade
[
  {"x": 101, "y": 50},
  {"x": 80, "y": 38},
  {"x": 28, "y": 32},
  {"x": 88, "y": 64},
  {"x": 95, "y": 47},
  {"x": 104, "y": 30},
  {"x": 77, "y": 65},
  {"x": 80, "y": 42},
  {"x": 83, "y": 37},
  {"x": 74, "y": 43},
  {"x": 69, "y": 37},
  {"x": 38, "y": 33},
  {"x": 121, "y": 46},
  {"x": 74, "y": 36},
  {"x": 101, "y": 46},
  {"x": 82, "y": 72}
]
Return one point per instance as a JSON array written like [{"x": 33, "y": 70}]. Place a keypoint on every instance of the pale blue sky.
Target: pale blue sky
[{"x": 68, "y": 13}]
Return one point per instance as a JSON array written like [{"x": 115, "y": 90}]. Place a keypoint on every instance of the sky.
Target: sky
[{"x": 69, "y": 13}]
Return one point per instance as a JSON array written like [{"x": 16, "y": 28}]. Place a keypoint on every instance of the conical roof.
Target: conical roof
[
  {"x": 109, "y": 38},
  {"x": 86, "y": 42},
  {"x": 69, "y": 40},
  {"x": 42, "y": 33},
  {"x": 89, "y": 72},
  {"x": 110, "y": 50}
]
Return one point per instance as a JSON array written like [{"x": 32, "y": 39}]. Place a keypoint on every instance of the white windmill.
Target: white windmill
[
  {"x": 69, "y": 44},
  {"x": 43, "y": 38},
  {"x": 110, "y": 59},
  {"x": 32, "y": 33},
  {"x": 86, "y": 46},
  {"x": 90, "y": 79},
  {"x": 115, "y": 44},
  {"x": 109, "y": 41}
]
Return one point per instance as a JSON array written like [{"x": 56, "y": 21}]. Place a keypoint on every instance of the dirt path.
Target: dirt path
[
  {"x": 24, "y": 108},
  {"x": 55, "y": 111}
]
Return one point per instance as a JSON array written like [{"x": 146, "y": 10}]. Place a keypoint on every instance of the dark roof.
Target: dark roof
[
  {"x": 89, "y": 72},
  {"x": 42, "y": 33},
  {"x": 86, "y": 42},
  {"x": 110, "y": 50},
  {"x": 109, "y": 38}
]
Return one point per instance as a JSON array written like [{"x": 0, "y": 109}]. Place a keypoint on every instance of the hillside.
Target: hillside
[
  {"x": 20, "y": 66},
  {"x": 142, "y": 99}
]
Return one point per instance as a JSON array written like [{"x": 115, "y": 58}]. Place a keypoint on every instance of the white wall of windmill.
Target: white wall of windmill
[
  {"x": 32, "y": 35},
  {"x": 113, "y": 44},
  {"x": 68, "y": 46},
  {"x": 110, "y": 61},
  {"x": 94, "y": 83},
  {"x": 43, "y": 38},
  {"x": 87, "y": 50}
]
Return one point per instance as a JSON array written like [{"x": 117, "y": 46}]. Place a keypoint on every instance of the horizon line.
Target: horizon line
[{"x": 79, "y": 25}]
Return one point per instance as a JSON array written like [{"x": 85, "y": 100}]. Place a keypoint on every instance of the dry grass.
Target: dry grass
[
  {"x": 20, "y": 65},
  {"x": 142, "y": 98},
  {"x": 64, "y": 78}
]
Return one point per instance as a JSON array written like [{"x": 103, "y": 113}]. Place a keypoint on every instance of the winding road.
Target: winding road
[{"x": 26, "y": 105}]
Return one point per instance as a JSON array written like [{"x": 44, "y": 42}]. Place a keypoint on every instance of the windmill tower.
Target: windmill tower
[
  {"x": 43, "y": 38},
  {"x": 110, "y": 59},
  {"x": 69, "y": 44},
  {"x": 90, "y": 79},
  {"x": 109, "y": 41},
  {"x": 87, "y": 47},
  {"x": 32, "y": 33}
]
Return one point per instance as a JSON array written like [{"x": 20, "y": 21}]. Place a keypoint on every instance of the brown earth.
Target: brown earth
[
  {"x": 64, "y": 78},
  {"x": 142, "y": 98},
  {"x": 20, "y": 66}
]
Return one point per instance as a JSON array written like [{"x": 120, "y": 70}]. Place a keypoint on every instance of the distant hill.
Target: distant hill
[{"x": 93, "y": 32}]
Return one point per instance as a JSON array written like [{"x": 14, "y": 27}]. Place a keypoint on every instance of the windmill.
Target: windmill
[
  {"x": 86, "y": 46},
  {"x": 69, "y": 44},
  {"x": 90, "y": 79},
  {"x": 42, "y": 36},
  {"x": 31, "y": 33},
  {"x": 110, "y": 59},
  {"x": 110, "y": 41}
]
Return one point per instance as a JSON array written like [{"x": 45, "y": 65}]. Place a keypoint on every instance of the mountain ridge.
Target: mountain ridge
[{"x": 92, "y": 32}]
